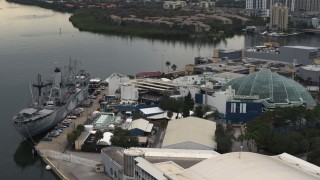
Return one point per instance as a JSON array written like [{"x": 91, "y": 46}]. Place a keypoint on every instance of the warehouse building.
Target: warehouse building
[
  {"x": 178, "y": 164},
  {"x": 137, "y": 163},
  {"x": 304, "y": 55},
  {"x": 140, "y": 127},
  {"x": 190, "y": 133}
]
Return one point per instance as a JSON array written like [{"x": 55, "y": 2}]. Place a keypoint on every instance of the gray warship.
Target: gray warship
[{"x": 53, "y": 100}]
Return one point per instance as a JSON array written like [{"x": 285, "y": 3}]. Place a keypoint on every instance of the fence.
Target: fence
[{"x": 70, "y": 158}]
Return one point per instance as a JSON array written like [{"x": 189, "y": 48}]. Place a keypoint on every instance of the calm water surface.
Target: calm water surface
[{"x": 31, "y": 43}]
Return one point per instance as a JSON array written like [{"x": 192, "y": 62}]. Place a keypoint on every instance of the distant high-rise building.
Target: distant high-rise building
[
  {"x": 279, "y": 17},
  {"x": 315, "y": 22},
  {"x": 291, "y": 4},
  {"x": 301, "y": 5},
  {"x": 307, "y": 5},
  {"x": 259, "y": 8}
]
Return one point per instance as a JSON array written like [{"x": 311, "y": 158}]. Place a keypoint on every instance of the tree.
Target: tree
[
  {"x": 168, "y": 65},
  {"x": 185, "y": 111},
  {"x": 199, "y": 112},
  {"x": 314, "y": 157},
  {"x": 71, "y": 137},
  {"x": 188, "y": 100},
  {"x": 223, "y": 139},
  {"x": 174, "y": 67},
  {"x": 169, "y": 114},
  {"x": 80, "y": 127},
  {"x": 259, "y": 132},
  {"x": 98, "y": 135},
  {"x": 123, "y": 138},
  {"x": 171, "y": 104},
  {"x": 77, "y": 133},
  {"x": 187, "y": 105}
]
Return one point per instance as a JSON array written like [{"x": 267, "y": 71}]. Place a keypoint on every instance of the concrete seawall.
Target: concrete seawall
[
  {"x": 53, "y": 167},
  {"x": 60, "y": 144}
]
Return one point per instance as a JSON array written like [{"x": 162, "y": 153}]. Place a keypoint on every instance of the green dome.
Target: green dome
[{"x": 272, "y": 87}]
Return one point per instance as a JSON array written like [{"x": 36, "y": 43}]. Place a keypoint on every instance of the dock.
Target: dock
[{"x": 69, "y": 164}]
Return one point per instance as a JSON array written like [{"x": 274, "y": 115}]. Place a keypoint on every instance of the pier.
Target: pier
[
  {"x": 70, "y": 164},
  {"x": 311, "y": 31}
]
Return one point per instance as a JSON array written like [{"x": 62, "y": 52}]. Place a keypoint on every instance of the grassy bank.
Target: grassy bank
[
  {"x": 98, "y": 21},
  {"x": 92, "y": 20}
]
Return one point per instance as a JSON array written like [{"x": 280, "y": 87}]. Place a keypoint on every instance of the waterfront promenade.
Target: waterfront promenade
[{"x": 67, "y": 169}]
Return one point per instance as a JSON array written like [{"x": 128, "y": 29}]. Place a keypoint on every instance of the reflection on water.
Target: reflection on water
[
  {"x": 38, "y": 16},
  {"x": 24, "y": 155}
]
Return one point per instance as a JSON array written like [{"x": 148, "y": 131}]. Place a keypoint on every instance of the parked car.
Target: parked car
[
  {"x": 71, "y": 117},
  {"x": 93, "y": 97},
  {"x": 54, "y": 134},
  {"x": 47, "y": 138},
  {"x": 66, "y": 121},
  {"x": 62, "y": 126}
]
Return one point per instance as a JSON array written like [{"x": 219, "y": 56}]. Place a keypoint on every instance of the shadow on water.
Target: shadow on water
[
  {"x": 25, "y": 154},
  {"x": 26, "y": 157}
]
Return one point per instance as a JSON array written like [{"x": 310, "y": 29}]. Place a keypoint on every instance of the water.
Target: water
[{"x": 31, "y": 43}]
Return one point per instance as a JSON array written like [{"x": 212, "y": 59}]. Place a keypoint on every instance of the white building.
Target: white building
[
  {"x": 248, "y": 165},
  {"x": 174, "y": 4},
  {"x": 258, "y": 7},
  {"x": 182, "y": 164},
  {"x": 190, "y": 133},
  {"x": 219, "y": 99},
  {"x": 184, "y": 90},
  {"x": 114, "y": 82},
  {"x": 315, "y": 23},
  {"x": 129, "y": 92},
  {"x": 189, "y": 80}
]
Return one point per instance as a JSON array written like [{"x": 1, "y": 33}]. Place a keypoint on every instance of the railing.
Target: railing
[{"x": 70, "y": 158}]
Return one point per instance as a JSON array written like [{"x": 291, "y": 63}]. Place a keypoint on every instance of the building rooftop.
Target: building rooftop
[
  {"x": 147, "y": 166},
  {"x": 190, "y": 129},
  {"x": 311, "y": 67},
  {"x": 169, "y": 167},
  {"x": 185, "y": 158},
  {"x": 153, "y": 110},
  {"x": 271, "y": 87},
  {"x": 248, "y": 165},
  {"x": 141, "y": 124}
]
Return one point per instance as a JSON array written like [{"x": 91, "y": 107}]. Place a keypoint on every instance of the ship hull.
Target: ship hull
[{"x": 55, "y": 117}]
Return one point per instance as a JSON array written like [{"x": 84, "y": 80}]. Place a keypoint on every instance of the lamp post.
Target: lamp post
[
  {"x": 240, "y": 151},
  {"x": 161, "y": 63}
]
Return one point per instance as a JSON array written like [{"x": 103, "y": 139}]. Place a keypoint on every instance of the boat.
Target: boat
[{"x": 53, "y": 100}]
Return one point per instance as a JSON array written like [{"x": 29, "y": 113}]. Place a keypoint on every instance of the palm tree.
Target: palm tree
[
  {"x": 168, "y": 65},
  {"x": 174, "y": 67}
]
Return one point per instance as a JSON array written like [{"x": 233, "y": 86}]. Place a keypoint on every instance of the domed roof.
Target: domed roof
[{"x": 271, "y": 86}]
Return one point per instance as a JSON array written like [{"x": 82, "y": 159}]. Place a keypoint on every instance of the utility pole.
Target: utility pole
[{"x": 161, "y": 63}]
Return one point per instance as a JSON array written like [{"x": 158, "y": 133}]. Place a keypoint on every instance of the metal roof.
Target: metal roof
[
  {"x": 149, "y": 168},
  {"x": 190, "y": 129},
  {"x": 141, "y": 124},
  {"x": 251, "y": 166},
  {"x": 153, "y": 110}
]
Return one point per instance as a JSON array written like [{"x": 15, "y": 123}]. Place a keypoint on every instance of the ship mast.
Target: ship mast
[{"x": 39, "y": 85}]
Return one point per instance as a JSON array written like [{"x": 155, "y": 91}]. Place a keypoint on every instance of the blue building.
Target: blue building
[
  {"x": 262, "y": 91},
  {"x": 242, "y": 111}
]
